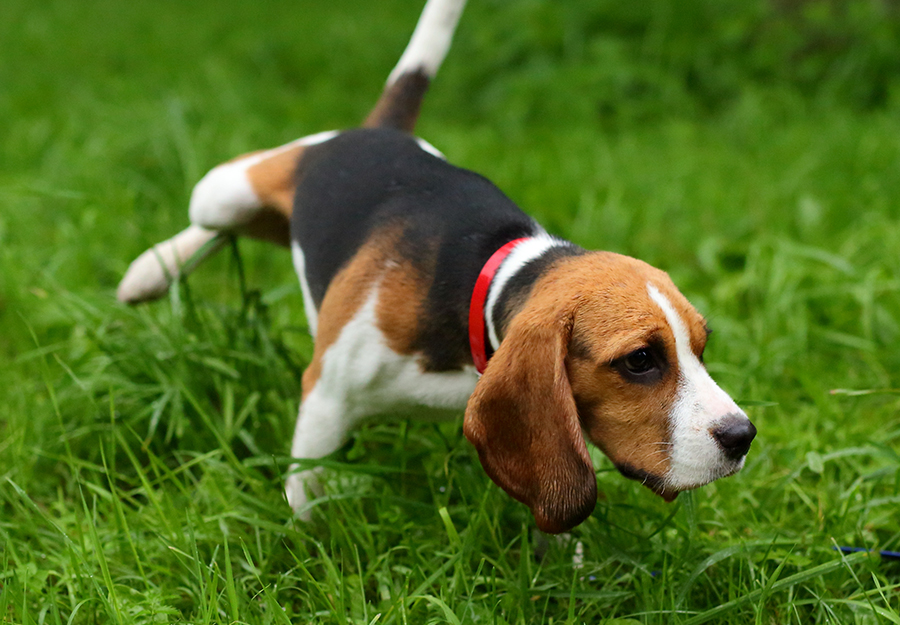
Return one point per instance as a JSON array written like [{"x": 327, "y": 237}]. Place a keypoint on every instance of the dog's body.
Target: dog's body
[{"x": 389, "y": 241}]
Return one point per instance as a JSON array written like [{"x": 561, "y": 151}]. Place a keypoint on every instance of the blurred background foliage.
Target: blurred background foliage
[{"x": 693, "y": 57}]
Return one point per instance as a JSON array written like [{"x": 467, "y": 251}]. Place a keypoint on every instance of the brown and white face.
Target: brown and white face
[
  {"x": 608, "y": 348},
  {"x": 643, "y": 395}
]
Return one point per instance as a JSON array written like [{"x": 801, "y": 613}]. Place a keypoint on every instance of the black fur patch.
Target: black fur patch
[{"x": 452, "y": 221}]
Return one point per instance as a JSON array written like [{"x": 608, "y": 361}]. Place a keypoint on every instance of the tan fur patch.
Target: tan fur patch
[
  {"x": 398, "y": 106},
  {"x": 346, "y": 294},
  {"x": 274, "y": 179},
  {"x": 268, "y": 225},
  {"x": 274, "y": 182},
  {"x": 402, "y": 299}
]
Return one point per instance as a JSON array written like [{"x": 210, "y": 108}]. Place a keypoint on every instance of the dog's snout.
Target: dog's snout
[{"x": 734, "y": 434}]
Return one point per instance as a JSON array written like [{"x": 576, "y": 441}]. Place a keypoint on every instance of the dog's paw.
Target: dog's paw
[
  {"x": 151, "y": 273},
  {"x": 300, "y": 488}
]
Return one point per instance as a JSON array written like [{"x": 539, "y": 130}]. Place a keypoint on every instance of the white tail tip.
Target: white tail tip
[{"x": 430, "y": 41}]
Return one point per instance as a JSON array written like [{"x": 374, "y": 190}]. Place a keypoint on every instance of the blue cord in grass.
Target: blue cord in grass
[{"x": 887, "y": 555}]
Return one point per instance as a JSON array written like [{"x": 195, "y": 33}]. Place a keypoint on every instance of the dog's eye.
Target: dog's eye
[
  {"x": 646, "y": 365},
  {"x": 639, "y": 362}
]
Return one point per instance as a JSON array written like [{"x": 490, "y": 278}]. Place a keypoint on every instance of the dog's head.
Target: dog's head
[{"x": 606, "y": 347}]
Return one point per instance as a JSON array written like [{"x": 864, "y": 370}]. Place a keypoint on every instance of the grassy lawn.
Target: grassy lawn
[{"x": 750, "y": 149}]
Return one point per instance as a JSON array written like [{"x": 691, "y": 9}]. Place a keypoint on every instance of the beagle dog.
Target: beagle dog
[{"x": 425, "y": 287}]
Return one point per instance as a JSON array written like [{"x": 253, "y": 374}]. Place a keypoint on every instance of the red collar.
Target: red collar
[{"x": 476, "y": 307}]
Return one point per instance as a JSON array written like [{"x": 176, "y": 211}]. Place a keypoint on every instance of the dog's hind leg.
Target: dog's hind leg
[
  {"x": 251, "y": 195},
  {"x": 150, "y": 274}
]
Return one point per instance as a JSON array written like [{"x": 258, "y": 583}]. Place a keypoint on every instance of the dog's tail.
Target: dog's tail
[{"x": 399, "y": 104}]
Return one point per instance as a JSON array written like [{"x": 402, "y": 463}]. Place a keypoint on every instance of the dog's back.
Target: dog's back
[{"x": 369, "y": 185}]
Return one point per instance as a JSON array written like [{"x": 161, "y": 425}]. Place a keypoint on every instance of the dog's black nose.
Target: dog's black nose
[{"x": 734, "y": 434}]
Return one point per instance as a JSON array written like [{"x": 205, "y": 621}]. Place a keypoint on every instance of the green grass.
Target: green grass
[{"x": 750, "y": 149}]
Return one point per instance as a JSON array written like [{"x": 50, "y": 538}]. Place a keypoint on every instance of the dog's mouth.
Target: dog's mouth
[
  {"x": 664, "y": 487},
  {"x": 654, "y": 482}
]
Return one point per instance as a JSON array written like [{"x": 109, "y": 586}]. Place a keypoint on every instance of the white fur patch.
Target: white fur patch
[
  {"x": 695, "y": 457},
  {"x": 521, "y": 255},
  {"x": 430, "y": 149},
  {"x": 431, "y": 39},
  {"x": 224, "y": 197},
  {"x": 361, "y": 366},
  {"x": 309, "y": 306},
  {"x": 362, "y": 377}
]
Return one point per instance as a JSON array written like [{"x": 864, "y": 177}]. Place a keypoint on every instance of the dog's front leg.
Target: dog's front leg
[{"x": 323, "y": 425}]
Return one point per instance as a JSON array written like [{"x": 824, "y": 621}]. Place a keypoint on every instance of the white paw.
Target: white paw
[
  {"x": 300, "y": 488},
  {"x": 151, "y": 273}
]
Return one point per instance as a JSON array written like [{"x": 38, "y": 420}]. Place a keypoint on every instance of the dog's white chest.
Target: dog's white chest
[{"x": 362, "y": 370}]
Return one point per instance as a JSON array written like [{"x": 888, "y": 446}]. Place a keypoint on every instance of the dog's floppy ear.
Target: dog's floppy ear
[{"x": 523, "y": 421}]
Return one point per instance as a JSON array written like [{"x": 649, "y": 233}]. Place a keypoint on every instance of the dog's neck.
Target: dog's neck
[{"x": 515, "y": 278}]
